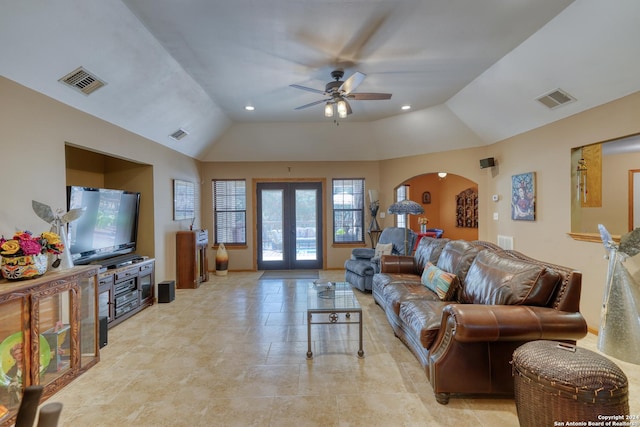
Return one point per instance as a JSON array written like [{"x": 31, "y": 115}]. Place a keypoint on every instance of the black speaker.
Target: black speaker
[
  {"x": 489, "y": 162},
  {"x": 104, "y": 327},
  {"x": 167, "y": 291}
]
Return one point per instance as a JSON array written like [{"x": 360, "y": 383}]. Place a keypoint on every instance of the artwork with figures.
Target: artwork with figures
[{"x": 523, "y": 197}]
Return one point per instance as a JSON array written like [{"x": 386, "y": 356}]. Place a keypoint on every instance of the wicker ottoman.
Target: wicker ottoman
[{"x": 559, "y": 383}]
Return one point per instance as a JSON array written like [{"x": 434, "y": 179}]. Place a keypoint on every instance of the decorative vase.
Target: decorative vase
[
  {"x": 24, "y": 267},
  {"x": 423, "y": 228},
  {"x": 222, "y": 260}
]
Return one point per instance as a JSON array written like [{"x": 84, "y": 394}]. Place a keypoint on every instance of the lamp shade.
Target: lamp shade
[
  {"x": 404, "y": 207},
  {"x": 328, "y": 110}
]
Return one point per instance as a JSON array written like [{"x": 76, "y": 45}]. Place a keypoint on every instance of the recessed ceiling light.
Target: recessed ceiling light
[
  {"x": 249, "y": 107},
  {"x": 406, "y": 107}
]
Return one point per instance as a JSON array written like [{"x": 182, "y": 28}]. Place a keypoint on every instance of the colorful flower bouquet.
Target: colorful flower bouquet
[{"x": 26, "y": 256}]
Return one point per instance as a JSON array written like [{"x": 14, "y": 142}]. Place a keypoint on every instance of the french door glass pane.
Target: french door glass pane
[
  {"x": 272, "y": 224},
  {"x": 306, "y": 223}
]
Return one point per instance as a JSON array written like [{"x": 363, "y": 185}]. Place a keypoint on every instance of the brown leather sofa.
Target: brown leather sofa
[{"x": 499, "y": 301}]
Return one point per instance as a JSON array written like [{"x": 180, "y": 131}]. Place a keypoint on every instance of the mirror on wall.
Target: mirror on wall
[{"x": 605, "y": 180}]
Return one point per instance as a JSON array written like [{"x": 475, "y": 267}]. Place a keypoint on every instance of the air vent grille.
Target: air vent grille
[
  {"x": 83, "y": 81},
  {"x": 179, "y": 134},
  {"x": 556, "y": 98},
  {"x": 505, "y": 242}
]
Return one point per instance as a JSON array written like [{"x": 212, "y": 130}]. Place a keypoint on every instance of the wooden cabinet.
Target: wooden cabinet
[
  {"x": 192, "y": 266},
  {"x": 48, "y": 333},
  {"x": 124, "y": 291}
]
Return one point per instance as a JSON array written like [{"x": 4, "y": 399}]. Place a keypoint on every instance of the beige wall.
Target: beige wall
[
  {"x": 245, "y": 258},
  {"x": 464, "y": 167},
  {"x": 547, "y": 152},
  {"x": 36, "y": 128},
  {"x": 35, "y": 131}
]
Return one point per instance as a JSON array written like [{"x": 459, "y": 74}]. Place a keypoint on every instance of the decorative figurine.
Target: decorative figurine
[{"x": 58, "y": 221}]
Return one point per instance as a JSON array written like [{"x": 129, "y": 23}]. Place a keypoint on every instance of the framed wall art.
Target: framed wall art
[
  {"x": 426, "y": 198},
  {"x": 523, "y": 197},
  {"x": 184, "y": 200}
]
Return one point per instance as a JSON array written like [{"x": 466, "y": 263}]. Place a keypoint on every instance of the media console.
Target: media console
[
  {"x": 119, "y": 261},
  {"x": 53, "y": 321},
  {"x": 125, "y": 287}
]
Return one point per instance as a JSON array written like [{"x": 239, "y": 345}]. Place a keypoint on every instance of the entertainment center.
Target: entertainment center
[
  {"x": 125, "y": 287},
  {"x": 106, "y": 235},
  {"x": 51, "y": 327}
]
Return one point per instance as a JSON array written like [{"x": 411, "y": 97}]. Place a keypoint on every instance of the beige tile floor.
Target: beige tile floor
[{"x": 232, "y": 353}]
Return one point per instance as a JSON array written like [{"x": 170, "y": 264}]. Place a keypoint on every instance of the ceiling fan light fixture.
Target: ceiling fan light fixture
[
  {"x": 338, "y": 92},
  {"x": 342, "y": 109},
  {"x": 328, "y": 110},
  {"x": 442, "y": 175}
]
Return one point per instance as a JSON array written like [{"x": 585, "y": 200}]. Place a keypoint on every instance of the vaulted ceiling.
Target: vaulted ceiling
[{"x": 470, "y": 70}]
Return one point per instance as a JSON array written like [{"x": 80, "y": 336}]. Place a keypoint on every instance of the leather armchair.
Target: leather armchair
[{"x": 363, "y": 264}]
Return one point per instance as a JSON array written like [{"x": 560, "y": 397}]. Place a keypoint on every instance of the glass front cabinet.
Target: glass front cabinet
[{"x": 48, "y": 333}]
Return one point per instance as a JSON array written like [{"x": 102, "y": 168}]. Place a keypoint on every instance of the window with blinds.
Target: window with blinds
[
  {"x": 348, "y": 210},
  {"x": 230, "y": 211}
]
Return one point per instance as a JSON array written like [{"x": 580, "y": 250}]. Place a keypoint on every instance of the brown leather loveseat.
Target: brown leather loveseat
[{"x": 464, "y": 335}]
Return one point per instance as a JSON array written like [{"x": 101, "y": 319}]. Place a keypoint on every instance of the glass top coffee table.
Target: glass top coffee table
[{"x": 332, "y": 303}]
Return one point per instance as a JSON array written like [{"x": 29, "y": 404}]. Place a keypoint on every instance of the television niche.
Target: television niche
[{"x": 107, "y": 230}]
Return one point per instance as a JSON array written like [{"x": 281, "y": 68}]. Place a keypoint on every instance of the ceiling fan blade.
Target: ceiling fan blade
[
  {"x": 352, "y": 82},
  {"x": 362, "y": 43},
  {"x": 308, "y": 89},
  {"x": 368, "y": 96},
  {"x": 311, "y": 104}
]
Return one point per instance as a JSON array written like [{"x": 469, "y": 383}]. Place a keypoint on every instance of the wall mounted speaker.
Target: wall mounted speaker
[{"x": 489, "y": 162}]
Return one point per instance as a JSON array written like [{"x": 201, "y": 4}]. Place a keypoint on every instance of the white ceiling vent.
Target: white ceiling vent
[
  {"x": 556, "y": 98},
  {"x": 82, "y": 80},
  {"x": 179, "y": 134}
]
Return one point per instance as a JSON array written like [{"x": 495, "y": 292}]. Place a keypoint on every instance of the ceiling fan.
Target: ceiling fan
[{"x": 338, "y": 92}]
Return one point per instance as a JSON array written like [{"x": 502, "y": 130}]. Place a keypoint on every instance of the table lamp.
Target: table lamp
[{"x": 406, "y": 207}]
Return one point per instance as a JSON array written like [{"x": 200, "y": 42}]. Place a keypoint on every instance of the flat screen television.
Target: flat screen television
[{"x": 107, "y": 228}]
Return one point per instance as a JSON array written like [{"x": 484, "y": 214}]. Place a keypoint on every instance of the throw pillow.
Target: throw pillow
[
  {"x": 383, "y": 249},
  {"x": 444, "y": 284}
]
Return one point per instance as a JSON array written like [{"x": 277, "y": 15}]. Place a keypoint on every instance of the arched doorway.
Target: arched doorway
[{"x": 439, "y": 197}]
